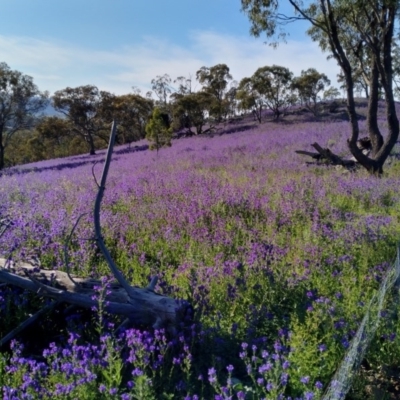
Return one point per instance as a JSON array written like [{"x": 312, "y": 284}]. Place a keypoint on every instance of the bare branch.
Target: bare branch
[
  {"x": 118, "y": 276},
  {"x": 66, "y": 258},
  {"x": 5, "y": 223},
  {"x": 152, "y": 284},
  {"x": 27, "y": 323},
  {"x": 94, "y": 176}
]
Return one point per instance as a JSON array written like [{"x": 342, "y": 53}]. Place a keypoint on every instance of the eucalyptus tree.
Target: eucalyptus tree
[
  {"x": 55, "y": 135},
  {"x": 344, "y": 23},
  {"x": 185, "y": 85},
  {"x": 215, "y": 82},
  {"x": 230, "y": 102},
  {"x": 273, "y": 83},
  {"x": 249, "y": 98},
  {"x": 331, "y": 93},
  {"x": 132, "y": 111},
  {"x": 269, "y": 87},
  {"x": 20, "y": 101},
  {"x": 161, "y": 86},
  {"x": 83, "y": 107},
  {"x": 308, "y": 86},
  {"x": 191, "y": 111}
]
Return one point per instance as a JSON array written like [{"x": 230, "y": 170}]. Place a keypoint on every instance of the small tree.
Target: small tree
[
  {"x": 230, "y": 103},
  {"x": 308, "y": 85},
  {"x": 20, "y": 100},
  {"x": 185, "y": 85},
  {"x": 83, "y": 107},
  {"x": 158, "y": 131}
]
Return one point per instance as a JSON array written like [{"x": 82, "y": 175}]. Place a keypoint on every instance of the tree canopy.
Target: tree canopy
[
  {"x": 83, "y": 106},
  {"x": 20, "y": 101},
  {"x": 158, "y": 131},
  {"x": 308, "y": 85},
  {"x": 215, "y": 80}
]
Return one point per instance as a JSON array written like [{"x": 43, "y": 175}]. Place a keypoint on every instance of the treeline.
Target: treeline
[{"x": 85, "y": 112}]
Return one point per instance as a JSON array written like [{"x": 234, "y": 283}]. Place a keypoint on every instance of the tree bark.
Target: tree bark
[
  {"x": 372, "y": 113},
  {"x": 92, "y": 149},
  {"x": 337, "y": 49},
  {"x": 1, "y": 155}
]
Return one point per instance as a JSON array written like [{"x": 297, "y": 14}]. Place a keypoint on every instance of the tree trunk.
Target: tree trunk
[
  {"x": 337, "y": 49},
  {"x": 1, "y": 156},
  {"x": 372, "y": 114},
  {"x": 386, "y": 75},
  {"x": 90, "y": 141}
]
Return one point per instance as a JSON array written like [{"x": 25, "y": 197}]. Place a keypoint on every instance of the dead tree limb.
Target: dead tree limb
[
  {"x": 27, "y": 323},
  {"x": 141, "y": 306},
  {"x": 327, "y": 155},
  {"x": 316, "y": 156},
  {"x": 99, "y": 239},
  {"x": 333, "y": 158}
]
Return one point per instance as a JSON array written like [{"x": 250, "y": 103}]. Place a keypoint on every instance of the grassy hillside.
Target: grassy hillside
[{"x": 278, "y": 258}]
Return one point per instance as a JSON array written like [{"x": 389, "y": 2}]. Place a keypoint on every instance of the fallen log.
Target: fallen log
[
  {"x": 141, "y": 306},
  {"x": 316, "y": 156},
  {"x": 328, "y": 156},
  {"x": 333, "y": 158}
]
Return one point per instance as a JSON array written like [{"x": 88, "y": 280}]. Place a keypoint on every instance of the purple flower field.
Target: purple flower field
[{"x": 278, "y": 259}]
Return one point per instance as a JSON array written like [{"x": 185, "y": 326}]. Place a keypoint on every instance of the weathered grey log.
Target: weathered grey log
[
  {"x": 140, "y": 305},
  {"x": 145, "y": 307}
]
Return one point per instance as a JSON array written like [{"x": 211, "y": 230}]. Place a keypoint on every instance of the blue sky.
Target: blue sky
[{"x": 117, "y": 44}]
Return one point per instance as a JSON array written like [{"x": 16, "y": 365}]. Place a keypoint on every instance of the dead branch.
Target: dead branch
[
  {"x": 316, "y": 156},
  {"x": 5, "y": 223},
  {"x": 27, "y": 323},
  {"x": 328, "y": 156}
]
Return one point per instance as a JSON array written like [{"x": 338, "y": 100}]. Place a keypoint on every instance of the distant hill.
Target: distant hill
[{"x": 50, "y": 111}]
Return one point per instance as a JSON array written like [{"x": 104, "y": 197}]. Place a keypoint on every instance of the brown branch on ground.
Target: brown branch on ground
[{"x": 327, "y": 156}]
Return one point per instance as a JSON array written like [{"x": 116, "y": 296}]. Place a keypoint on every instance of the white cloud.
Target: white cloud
[{"x": 55, "y": 65}]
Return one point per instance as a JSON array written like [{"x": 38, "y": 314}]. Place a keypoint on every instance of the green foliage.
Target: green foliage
[
  {"x": 249, "y": 98},
  {"x": 54, "y": 136},
  {"x": 331, "y": 93},
  {"x": 85, "y": 109},
  {"x": 191, "y": 111},
  {"x": 215, "y": 80},
  {"x": 20, "y": 101},
  {"x": 162, "y": 88},
  {"x": 308, "y": 86},
  {"x": 158, "y": 131},
  {"x": 269, "y": 87},
  {"x": 132, "y": 112}
]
